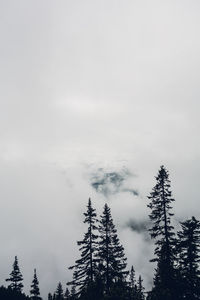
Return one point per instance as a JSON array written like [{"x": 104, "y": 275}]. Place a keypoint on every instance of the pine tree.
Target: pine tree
[
  {"x": 189, "y": 258},
  {"x": 111, "y": 253},
  {"x": 16, "y": 277},
  {"x": 85, "y": 267},
  {"x": 35, "y": 291},
  {"x": 140, "y": 289},
  {"x": 132, "y": 284},
  {"x": 67, "y": 294},
  {"x": 59, "y": 292},
  {"x": 50, "y": 297},
  {"x": 73, "y": 293},
  {"x": 163, "y": 233}
]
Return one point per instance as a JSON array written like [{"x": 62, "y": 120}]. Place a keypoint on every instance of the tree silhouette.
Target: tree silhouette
[
  {"x": 67, "y": 294},
  {"x": 111, "y": 253},
  {"x": 16, "y": 277},
  {"x": 35, "y": 291},
  {"x": 163, "y": 233},
  {"x": 85, "y": 268},
  {"x": 59, "y": 292},
  {"x": 189, "y": 258},
  {"x": 140, "y": 289}
]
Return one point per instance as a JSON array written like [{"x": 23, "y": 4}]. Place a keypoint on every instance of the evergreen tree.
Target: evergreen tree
[
  {"x": 59, "y": 292},
  {"x": 111, "y": 253},
  {"x": 67, "y": 294},
  {"x": 189, "y": 258},
  {"x": 11, "y": 294},
  {"x": 132, "y": 285},
  {"x": 16, "y": 277},
  {"x": 35, "y": 291},
  {"x": 85, "y": 267},
  {"x": 50, "y": 297},
  {"x": 73, "y": 293},
  {"x": 163, "y": 233},
  {"x": 140, "y": 289}
]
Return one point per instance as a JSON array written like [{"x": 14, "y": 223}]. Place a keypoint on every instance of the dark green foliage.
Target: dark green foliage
[
  {"x": 163, "y": 233},
  {"x": 67, "y": 294},
  {"x": 16, "y": 277},
  {"x": 35, "y": 291},
  {"x": 59, "y": 292},
  {"x": 112, "y": 261},
  {"x": 50, "y": 297},
  {"x": 85, "y": 268},
  {"x": 140, "y": 289},
  {"x": 189, "y": 258},
  {"x": 73, "y": 295},
  {"x": 11, "y": 294},
  {"x": 132, "y": 285}
]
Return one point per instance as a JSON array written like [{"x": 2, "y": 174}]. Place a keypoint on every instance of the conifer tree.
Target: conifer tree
[
  {"x": 132, "y": 284},
  {"x": 50, "y": 297},
  {"x": 16, "y": 277},
  {"x": 67, "y": 294},
  {"x": 35, "y": 291},
  {"x": 140, "y": 289},
  {"x": 59, "y": 292},
  {"x": 85, "y": 267},
  {"x": 132, "y": 278},
  {"x": 163, "y": 233},
  {"x": 73, "y": 293},
  {"x": 189, "y": 258},
  {"x": 111, "y": 253}
]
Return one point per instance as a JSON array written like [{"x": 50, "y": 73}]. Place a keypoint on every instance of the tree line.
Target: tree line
[{"x": 101, "y": 271}]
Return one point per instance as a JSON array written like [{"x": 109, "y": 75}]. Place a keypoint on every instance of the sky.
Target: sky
[{"x": 94, "y": 97}]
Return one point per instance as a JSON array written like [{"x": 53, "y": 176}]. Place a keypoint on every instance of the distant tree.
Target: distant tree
[
  {"x": 189, "y": 258},
  {"x": 132, "y": 285},
  {"x": 140, "y": 289},
  {"x": 163, "y": 233},
  {"x": 67, "y": 294},
  {"x": 59, "y": 292},
  {"x": 35, "y": 291},
  {"x": 16, "y": 277},
  {"x": 85, "y": 267},
  {"x": 50, "y": 297},
  {"x": 111, "y": 253}
]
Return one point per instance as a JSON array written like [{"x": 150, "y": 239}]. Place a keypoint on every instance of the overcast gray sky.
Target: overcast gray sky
[{"x": 89, "y": 89}]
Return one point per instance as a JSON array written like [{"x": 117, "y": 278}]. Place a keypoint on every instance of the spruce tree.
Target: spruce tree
[
  {"x": 73, "y": 294},
  {"x": 16, "y": 277},
  {"x": 163, "y": 233},
  {"x": 189, "y": 258},
  {"x": 111, "y": 253},
  {"x": 59, "y": 292},
  {"x": 132, "y": 285},
  {"x": 50, "y": 297},
  {"x": 35, "y": 291},
  {"x": 67, "y": 294},
  {"x": 85, "y": 268},
  {"x": 140, "y": 289}
]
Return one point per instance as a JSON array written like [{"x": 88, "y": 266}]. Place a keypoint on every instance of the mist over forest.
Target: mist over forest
[{"x": 96, "y": 96}]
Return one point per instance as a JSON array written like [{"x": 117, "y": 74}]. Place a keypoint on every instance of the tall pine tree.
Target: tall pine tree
[
  {"x": 35, "y": 291},
  {"x": 189, "y": 258},
  {"x": 16, "y": 277},
  {"x": 140, "y": 289},
  {"x": 85, "y": 268},
  {"x": 132, "y": 285},
  {"x": 111, "y": 253},
  {"x": 59, "y": 292},
  {"x": 163, "y": 233}
]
